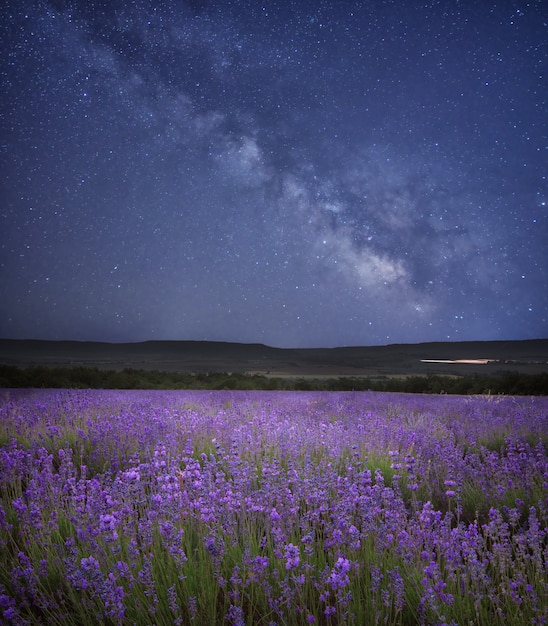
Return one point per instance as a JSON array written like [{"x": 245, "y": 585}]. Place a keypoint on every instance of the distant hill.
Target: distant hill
[{"x": 526, "y": 357}]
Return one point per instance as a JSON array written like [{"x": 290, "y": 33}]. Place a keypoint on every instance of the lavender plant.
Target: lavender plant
[{"x": 158, "y": 507}]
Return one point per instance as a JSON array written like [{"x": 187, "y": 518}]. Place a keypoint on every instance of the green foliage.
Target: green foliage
[{"x": 507, "y": 383}]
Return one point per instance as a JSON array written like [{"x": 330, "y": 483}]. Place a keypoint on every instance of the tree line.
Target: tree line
[{"x": 508, "y": 383}]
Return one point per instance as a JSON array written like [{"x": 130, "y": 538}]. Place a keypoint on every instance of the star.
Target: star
[{"x": 298, "y": 174}]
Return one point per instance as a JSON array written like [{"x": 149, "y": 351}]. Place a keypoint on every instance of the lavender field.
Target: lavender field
[{"x": 259, "y": 508}]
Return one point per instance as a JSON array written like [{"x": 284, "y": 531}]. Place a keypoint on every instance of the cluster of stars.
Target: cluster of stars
[{"x": 299, "y": 174}]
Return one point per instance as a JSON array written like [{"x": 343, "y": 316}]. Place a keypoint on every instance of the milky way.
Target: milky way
[{"x": 290, "y": 173}]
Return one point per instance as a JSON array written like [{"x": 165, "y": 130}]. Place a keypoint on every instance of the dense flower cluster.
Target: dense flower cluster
[{"x": 272, "y": 508}]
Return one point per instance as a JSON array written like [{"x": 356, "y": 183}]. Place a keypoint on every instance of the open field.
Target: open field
[
  {"x": 193, "y": 507},
  {"x": 524, "y": 357}
]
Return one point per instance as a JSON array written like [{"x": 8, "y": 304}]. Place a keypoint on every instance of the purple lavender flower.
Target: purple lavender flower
[
  {"x": 292, "y": 557},
  {"x": 339, "y": 574},
  {"x": 236, "y": 616},
  {"x": 126, "y": 517}
]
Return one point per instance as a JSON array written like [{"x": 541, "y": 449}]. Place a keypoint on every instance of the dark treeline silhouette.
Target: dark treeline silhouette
[{"x": 509, "y": 383}]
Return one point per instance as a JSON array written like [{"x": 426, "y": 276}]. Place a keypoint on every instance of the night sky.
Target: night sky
[{"x": 299, "y": 173}]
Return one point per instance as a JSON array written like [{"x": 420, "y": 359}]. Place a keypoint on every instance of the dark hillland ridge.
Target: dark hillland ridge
[{"x": 525, "y": 357}]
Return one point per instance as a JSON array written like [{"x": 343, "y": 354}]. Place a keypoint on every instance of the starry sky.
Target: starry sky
[{"x": 297, "y": 173}]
